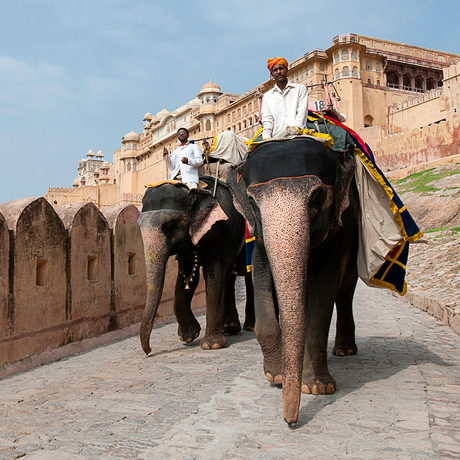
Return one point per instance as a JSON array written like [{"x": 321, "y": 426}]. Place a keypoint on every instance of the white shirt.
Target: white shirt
[
  {"x": 284, "y": 108},
  {"x": 188, "y": 172}
]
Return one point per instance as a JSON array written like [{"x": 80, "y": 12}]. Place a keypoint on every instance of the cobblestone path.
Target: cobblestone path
[{"x": 397, "y": 399}]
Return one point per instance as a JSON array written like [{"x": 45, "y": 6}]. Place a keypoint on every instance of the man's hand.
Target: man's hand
[
  {"x": 165, "y": 151},
  {"x": 184, "y": 160}
]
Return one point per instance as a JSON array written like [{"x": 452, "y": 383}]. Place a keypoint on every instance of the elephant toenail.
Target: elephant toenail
[
  {"x": 306, "y": 389},
  {"x": 269, "y": 377},
  {"x": 330, "y": 389}
]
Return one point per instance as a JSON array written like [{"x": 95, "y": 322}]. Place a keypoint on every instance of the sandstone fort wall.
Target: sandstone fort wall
[{"x": 72, "y": 273}]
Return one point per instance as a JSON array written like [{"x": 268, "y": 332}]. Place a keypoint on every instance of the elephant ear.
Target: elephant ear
[
  {"x": 344, "y": 175},
  {"x": 238, "y": 189},
  {"x": 205, "y": 212}
]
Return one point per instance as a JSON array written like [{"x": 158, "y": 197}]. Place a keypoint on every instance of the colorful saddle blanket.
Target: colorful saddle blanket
[{"x": 384, "y": 247}]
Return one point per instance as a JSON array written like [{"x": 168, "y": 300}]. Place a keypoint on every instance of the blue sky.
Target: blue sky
[{"x": 76, "y": 75}]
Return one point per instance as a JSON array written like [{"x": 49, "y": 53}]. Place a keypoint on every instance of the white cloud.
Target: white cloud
[{"x": 27, "y": 86}]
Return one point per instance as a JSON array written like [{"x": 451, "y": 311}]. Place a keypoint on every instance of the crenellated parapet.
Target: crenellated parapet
[
  {"x": 420, "y": 98},
  {"x": 66, "y": 274}
]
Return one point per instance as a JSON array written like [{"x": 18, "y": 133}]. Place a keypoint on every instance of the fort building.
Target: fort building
[{"x": 387, "y": 90}]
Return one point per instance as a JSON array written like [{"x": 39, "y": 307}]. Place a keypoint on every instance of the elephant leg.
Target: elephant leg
[
  {"x": 345, "y": 344},
  {"x": 322, "y": 286},
  {"x": 216, "y": 275},
  {"x": 267, "y": 328},
  {"x": 250, "y": 317},
  {"x": 232, "y": 323},
  {"x": 188, "y": 327}
]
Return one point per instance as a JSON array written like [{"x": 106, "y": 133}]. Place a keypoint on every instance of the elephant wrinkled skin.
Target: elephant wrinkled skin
[
  {"x": 301, "y": 202},
  {"x": 202, "y": 231}
]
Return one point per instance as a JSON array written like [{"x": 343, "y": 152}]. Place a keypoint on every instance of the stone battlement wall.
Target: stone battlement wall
[
  {"x": 423, "y": 97},
  {"x": 418, "y": 111},
  {"x": 70, "y": 273},
  {"x": 418, "y": 146}
]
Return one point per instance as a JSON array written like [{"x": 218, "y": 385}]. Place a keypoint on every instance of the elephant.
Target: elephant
[
  {"x": 201, "y": 231},
  {"x": 301, "y": 203}
]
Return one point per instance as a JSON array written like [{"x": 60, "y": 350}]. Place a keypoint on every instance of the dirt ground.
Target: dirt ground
[{"x": 433, "y": 199}]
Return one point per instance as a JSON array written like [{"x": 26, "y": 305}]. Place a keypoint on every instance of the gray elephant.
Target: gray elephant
[
  {"x": 301, "y": 203},
  {"x": 202, "y": 231}
]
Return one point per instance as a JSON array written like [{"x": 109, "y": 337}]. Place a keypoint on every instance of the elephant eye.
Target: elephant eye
[
  {"x": 167, "y": 226},
  {"x": 317, "y": 198}
]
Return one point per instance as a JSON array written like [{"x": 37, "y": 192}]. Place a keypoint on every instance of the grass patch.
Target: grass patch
[
  {"x": 452, "y": 230},
  {"x": 418, "y": 182}
]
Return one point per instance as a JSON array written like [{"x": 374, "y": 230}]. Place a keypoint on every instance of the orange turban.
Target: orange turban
[{"x": 278, "y": 60}]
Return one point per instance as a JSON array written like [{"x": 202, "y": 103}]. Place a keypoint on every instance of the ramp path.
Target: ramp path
[{"x": 397, "y": 399}]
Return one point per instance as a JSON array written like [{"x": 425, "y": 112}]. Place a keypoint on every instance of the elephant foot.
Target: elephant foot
[
  {"x": 324, "y": 385},
  {"x": 277, "y": 379},
  {"x": 345, "y": 348},
  {"x": 249, "y": 325},
  {"x": 272, "y": 370},
  {"x": 213, "y": 342},
  {"x": 232, "y": 327},
  {"x": 189, "y": 333}
]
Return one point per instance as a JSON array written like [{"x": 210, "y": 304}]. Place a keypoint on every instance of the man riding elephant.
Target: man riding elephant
[{"x": 284, "y": 106}]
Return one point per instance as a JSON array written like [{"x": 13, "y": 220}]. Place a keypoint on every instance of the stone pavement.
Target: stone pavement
[
  {"x": 397, "y": 399},
  {"x": 433, "y": 276}
]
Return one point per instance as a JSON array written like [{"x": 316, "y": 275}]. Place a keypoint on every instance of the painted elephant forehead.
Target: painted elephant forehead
[
  {"x": 167, "y": 196},
  {"x": 295, "y": 158}
]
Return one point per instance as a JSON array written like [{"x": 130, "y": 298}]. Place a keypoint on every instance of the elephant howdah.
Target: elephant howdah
[
  {"x": 301, "y": 203},
  {"x": 202, "y": 231}
]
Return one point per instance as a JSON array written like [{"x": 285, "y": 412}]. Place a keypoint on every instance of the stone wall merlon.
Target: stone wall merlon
[
  {"x": 111, "y": 213},
  {"x": 12, "y": 210},
  {"x": 68, "y": 212}
]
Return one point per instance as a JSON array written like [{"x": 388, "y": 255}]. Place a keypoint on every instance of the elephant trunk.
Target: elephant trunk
[
  {"x": 288, "y": 249},
  {"x": 156, "y": 253}
]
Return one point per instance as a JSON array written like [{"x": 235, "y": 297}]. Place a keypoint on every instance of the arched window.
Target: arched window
[
  {"x": 128, "y": 167},
  {"x": 239, "y": 113},
  {"x": 354, "y": 72},
  {"x": 239, "y": 126},
  {"x": 378, "y": 82},
  {"x": 337, "y": 74},
  {"x": 345, "y": 72},
  {"x": 369, "y": 81},
  {"x": 354, "y": 55},
  {"x": 419, "y": 83},
  {"x": 336, "y": 57},
  {"x": 250, "y": 121},
  {"x": 321, "y": 66},
  {"x": 228, "y": 118},
  {"x": 368, "y": 65},
  {"x": 244, "y": 110},
  {"x": 407, "y": 81},
  {"x": 393, "y": 79},
  {"x": 368, "y": 121},
  {"x": 208, "y": 125},
  {"x": 250, "y": 107},
  {"x": 233, "y": 116},
  {"x": 345, "y": 55},
  {"x": 377, "y": 66},
  {"x": 244, "y": 124}
]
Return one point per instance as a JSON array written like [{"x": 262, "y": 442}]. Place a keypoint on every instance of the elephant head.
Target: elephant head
[
  {"x": 293, "y": 195},
  {"x": 173, "y": 219}
]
